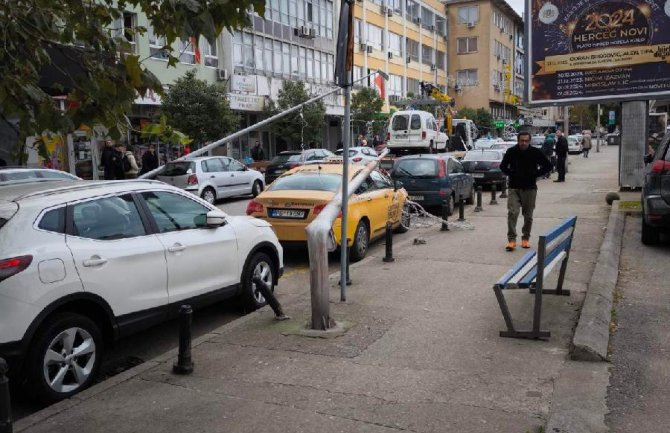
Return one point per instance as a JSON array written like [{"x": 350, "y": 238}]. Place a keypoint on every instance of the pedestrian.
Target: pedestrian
[
  {"x": 107, "y": 160},
  {"x": 119, "y": 162},
  {"x": 548, "y": 150},
  {"x": 257, "y": 152},
  {"x": 130, "y": 167},
  {"x": 586, "y": 145},
  {"x": 522, "y": 164},
  {"x": 561, "y": 155},
  {"x": 149, "y": 160}
]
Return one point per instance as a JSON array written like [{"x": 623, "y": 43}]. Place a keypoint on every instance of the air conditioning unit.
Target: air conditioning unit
[
  {"x": 311, "y": 34},
  {"x": 389, "y": 12},
  {"x": 496, "y": 88},
  {"x": 471, "y": 25},
  {"x": 433, "y": 67},
  {"x": 222, "y": 74},
  {"x": 417, "y": 20},
  {"x": 390, "y": 55},
  {"x": 369, "y": 48},
  {"x": 409, "y": 59},
  {"x": 432, "y": 27},
  {"x": 511, "y": 36},
  {"x": 384, "y": 9},
  {"x": 363, "y": 46},
  {"x": 498, "y": 56}
]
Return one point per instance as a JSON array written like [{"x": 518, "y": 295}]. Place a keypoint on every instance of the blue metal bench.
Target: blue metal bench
[{"x": 530, "y": 272}]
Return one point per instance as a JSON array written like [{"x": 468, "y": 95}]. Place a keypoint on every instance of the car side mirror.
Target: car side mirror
[
  {"x": 397, "y": 185},
  {"x": 212, "y": 219}
]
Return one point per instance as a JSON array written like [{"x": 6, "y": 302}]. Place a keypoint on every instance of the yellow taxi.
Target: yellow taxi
[{"x": 295, "y": 199}]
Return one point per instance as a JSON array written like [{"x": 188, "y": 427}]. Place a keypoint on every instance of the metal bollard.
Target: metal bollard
[
  {"x": 445, "y": 216},
  {"x": 184, "y": 364},
  {"x": 461, "y": 208},
  {"x": 504, "y": 189},
  {"x": 271, "y": 298},
  {"x": 493, "y": 194},
  {"x": 388, "y": 258},
  {"x": 5, "y": 402},
  {"x": 479, "y": 207}
]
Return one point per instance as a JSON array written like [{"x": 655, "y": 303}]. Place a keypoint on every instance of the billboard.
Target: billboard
[{"x": 592, "y": 51}]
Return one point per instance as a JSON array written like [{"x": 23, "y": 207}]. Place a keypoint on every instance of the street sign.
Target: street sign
[{"x": 612, "y": 118}]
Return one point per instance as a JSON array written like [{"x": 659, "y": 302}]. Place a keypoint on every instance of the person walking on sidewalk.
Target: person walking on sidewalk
[
  {"x": 561, "y": 155},
  {"x": 522, "y": 164},
  {"x": 586, "y": 145}
]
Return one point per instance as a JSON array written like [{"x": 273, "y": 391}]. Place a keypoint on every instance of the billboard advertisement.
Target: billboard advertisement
[{"x": 595, "y": 50}]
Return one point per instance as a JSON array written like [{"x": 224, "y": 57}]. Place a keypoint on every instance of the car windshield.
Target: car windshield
[
  {"x": 340, "y": 152},
  {"x": 572, "y": 140},
  {"x": 178, "y": 168},
  {"x": 19, "y": 175},
  {"x": 285, "y": 157},
  {"x": 307, "y": 182},
  {"x": 416, "y": 168},
  {"x": 482, "y": 156},
  {"x": 537, "y": 141},
  {"x": 400, "y": 123}
]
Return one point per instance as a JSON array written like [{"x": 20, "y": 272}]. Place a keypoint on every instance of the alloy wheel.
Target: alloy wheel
[
  {"x": 69, "y": 360},
  {"x": 263, "y": 270},
  {"x": 208, "y": 196}
]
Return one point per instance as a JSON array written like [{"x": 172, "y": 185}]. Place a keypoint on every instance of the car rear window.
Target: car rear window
[
  {"x": 177, "y": 168},
  {"x": 482, "y": 156},
  {"x": 282, "y": 159},
  {"x": 400, "y": 123},
  {"x": 416, "y": 167},
  {"x": 19, "y": 175},
  {"x": 416, "y": 121},
  {"x": 340, "y": 152},
  {"x": 7, "y": 211},
  {"x": 307, "y": 182}
]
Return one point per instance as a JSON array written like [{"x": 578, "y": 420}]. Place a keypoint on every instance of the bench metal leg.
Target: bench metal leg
[
  {"x": 504, "y": 309},
  {"x": 561, "y": 277}
]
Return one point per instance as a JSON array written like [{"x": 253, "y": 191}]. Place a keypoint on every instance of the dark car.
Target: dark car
[
  {"x": 431, "y": 179},
  {"x": 656, "y": 195},
  {"x": 289, "y": 159},
  {"x": 484, "y": 166}
]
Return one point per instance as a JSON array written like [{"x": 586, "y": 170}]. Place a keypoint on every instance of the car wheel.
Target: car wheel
[
  {"x": 359, "y": 249},
  {"x": 650, "y": 235},
  {"x": 65, "y": 357},
  {"x": 471, "y": 197},
  {"x": 208, "y": 195},
  {"x": 257, "y": 188},
  {"x": 260, "y": 265},
  {"x": 405, "y": 219}
]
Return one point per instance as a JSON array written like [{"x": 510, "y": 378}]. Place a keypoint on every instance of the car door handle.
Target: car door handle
[
  {"x": 176, "y": 248},
  {"x": 94, "y": 261},
  {"x": 212, "y": 177},
  {"x": 369, "y": 198}
]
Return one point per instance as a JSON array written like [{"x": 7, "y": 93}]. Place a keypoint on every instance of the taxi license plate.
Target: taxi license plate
[
  {"x": 287, "y": 213},
  {"x": 416, "y": 197},
  {"x": 478, "y": 175}
]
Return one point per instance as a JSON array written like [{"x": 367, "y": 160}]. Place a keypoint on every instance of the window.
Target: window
[
  {"x": 467, "y": 45},
  {"x": 156, "y": 44},
  {"x": 267, "y": 58},
  {"x": 374, "y": 36},
  {"x": 125, "y": 27},
  {"x": 467, "y": 77},
  {"x": 303, "y": 61},
  {"x": 108, "y": 218},
  {"x": 293, "y": 12},
  {"x": 258, "y": 53},
  {"x": 440, "y": 25},
  {"x": 426, "y": 55},
  {"x": 413, "y": 11},
  {"x": 329, "y": 69},
  {"x": 294, "y": 60},
  {"x": 285, "y": 50},
  {"x": 212, "y": 165},
  {"x": 307, "y": 182},
  {"x": 502, "y": 22},
  {"x": 441, "y": 60},
  {"x": 396, "y": 5},
  {"x": 454, "y": 166},
  {"x": 234, "y": 165},
  {"x": 357, "y": 29},
  {"x": 317, "y": 66},
  {"x": 399, "y": 122},
  {"x": 395, "y": 85},
  {"x": 412, "y": 49},
  {"x": 468, "y": 14},
  {"x": 358, "y": 74},
  {"x": 520, "y": 65},
  {"x": 248, "y": 49},
  {"x": 276, "y": 47},
  {"x": 329, "y": 19},
  {"x": 53, "y": 221},
  {"x": 210, "y": 54},
  {"x": 174, "y": 212},
  {"x": 284, "y": 11},
  {"x": 427, "y": 18},
  {"x": 413, "y": 87},
  {"x": 186, "y": 53},
  {"x": 395, "y": 44},
  {"x": 415, "y": 122},
  {"x": 380, "y": 181},
  {"x": 310, "y": 64},
  {"x": 322, "y": 18}
]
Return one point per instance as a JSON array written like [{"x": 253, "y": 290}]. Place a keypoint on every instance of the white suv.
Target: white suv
[{"x": 84, "y": 263}]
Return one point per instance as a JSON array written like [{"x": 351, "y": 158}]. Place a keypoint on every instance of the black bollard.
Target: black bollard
[
  {"x": 184, "y": 364},
  {"x": 5, "y": 402},
  {"x": 493, "y": 194},
  {"x": 479, "y": 207},
  {"x": 504, "y": 189},
  {"x": 461, "y": 209},
  {"x": 388, "y": 258},
  {"x": 271, "y": 298},
  {"x": 445, "y": 216}
]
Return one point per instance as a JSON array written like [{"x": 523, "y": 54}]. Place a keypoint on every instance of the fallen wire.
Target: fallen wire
[{"x": 420, "y": 218}]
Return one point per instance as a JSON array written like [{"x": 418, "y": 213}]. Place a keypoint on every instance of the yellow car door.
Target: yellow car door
[
  {"x": 393, "y": 200},
  {"x": 369, "y": 202}
]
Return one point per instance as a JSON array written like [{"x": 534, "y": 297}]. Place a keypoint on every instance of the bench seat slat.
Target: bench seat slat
[
  {"x": 556, "y": 231},
  {"x": 518, "y": 266},
  {"x": 560, "y": 248}
]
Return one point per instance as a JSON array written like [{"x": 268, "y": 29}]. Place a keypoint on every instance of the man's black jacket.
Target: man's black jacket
[
  {"x": 562, "y": 147},
  {"x": 523, "y": 167}
]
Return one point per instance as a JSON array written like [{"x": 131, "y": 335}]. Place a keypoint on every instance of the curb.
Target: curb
[{"x": 591, "y": 339}]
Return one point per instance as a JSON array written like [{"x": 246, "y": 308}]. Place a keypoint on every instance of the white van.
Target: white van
[{"x": 416, "y": 130}]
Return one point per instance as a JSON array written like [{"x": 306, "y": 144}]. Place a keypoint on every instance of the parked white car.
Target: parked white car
[
  {"x": 487, "y": 143},
  {"x": 574, "y": 144},
  {"x": 84, "y": 263},
  {"x": 25, "y": 174},
  {"x": 213, "y": 177},
  {"x": 415, "y": 129},
  {"x": 361, "y": 154}
]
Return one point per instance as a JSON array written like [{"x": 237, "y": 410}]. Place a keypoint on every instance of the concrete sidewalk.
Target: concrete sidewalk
[{"x": 422, "y": 351}]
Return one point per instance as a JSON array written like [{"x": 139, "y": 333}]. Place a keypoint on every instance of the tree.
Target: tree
[
  {"x": 584, "y": 115},
  {"x": 365, "y": 107},
  {"x": 480, "y": 116},
  {"x": 165, "y": 133},
  {"x": 293, "y": 128},
  {"x": 80, "y": 50},
  {"x": 198, "y": 109}
]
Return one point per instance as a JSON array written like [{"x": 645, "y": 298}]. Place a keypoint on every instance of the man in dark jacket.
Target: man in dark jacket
[
  {"x": 149, "y": 160},
  {"x": 523, "y": 164},
  {"x": 108, "y": 160},
  {"x": 561, "y": 155}
]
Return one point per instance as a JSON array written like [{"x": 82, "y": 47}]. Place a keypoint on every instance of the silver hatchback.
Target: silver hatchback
[{"x": 213, "y": 177}]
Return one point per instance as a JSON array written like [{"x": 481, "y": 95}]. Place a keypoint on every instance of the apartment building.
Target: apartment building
[{"x": 486, "y": 56}]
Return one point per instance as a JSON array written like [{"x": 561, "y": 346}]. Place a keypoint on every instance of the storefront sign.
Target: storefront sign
[
  {"x": 246, "y": 102},
  {"x": 243, "y": 83},
  {"x": 586, "y": 50}
]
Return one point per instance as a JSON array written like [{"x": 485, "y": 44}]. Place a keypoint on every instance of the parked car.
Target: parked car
[
  {"x": 297, "y": 197},
  {"x": 23, "y": 174},
  {"x": 85, "y": 263},
  {"x": 362, "y": 154},
  {"x": 484, "y": 166},
  {"x": 656, "y": 195},
  {"x": 432, "y": 179},
  {"x": 415, "y": 129},
  {"x": 290, "y": 159},
  {"x": 537, "y": 140},
  {"x": 574, "y": 145},
  {"x": 486, "y": 143},
  {"x": 212, "y": 177}
]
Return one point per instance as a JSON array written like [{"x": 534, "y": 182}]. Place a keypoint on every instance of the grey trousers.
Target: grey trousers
[{"x": 520, "y": 200}]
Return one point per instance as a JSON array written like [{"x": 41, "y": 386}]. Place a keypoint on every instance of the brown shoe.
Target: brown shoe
[
  {"x": 511, "y": 245},
  {"x": 525, "y": 243}
]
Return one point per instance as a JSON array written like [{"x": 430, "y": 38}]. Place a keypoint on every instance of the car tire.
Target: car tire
[
  {"x": 257, "y": 188},
  {"x": 262, "y": 265},
  {"x": 209, "y": 195},
  {"x": 471, "y": 198},
  {"x": 650, "y": 235},
  {"x": 359, "y": 248},
  {"x": 405, "y": 219},
  {"x": 54, "y": 371}
]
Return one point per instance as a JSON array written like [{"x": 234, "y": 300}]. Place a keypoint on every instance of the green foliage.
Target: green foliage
[
  {"x": 366, "y": 105},
  {"x": 290, "y": 127},
  {"x": 88, "y": 60},
  {"x": 481, "y": 116},
  {"x": 199, "y": 109},
  {"x": 585, "y": 115},
  {"x": 165, "y": 133}
]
